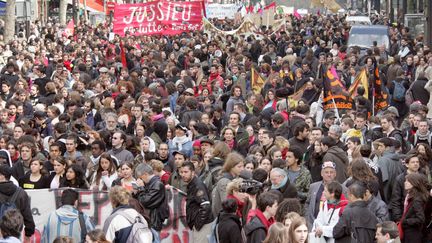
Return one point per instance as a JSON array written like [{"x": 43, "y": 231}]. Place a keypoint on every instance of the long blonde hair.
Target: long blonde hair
[{"x": 277, "y": 233}]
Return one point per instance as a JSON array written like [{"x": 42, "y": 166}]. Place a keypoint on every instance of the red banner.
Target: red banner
[{"x": 159, "y": 17}]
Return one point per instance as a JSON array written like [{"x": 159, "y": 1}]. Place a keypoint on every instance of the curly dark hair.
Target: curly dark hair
[
  {"x": 286, "y": 206},
  {"x": 79, "y": 181}
]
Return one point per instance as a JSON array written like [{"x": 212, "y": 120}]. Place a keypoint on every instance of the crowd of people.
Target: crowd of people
[{"x": 136, "y": 114}]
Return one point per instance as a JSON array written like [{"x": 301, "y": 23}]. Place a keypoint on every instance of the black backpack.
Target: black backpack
[
  {"x": 9, "y": 203},
  {"x": 82, "y": 226}
]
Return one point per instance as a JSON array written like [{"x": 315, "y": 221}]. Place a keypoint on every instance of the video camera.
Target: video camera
[{"x": 251, "y": 187}]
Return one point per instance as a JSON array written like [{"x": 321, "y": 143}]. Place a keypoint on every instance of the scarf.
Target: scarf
[
  {"x": 240, "y": 205},
  {"x": 263, "y": 219},
  {"x": 251, "y": 140},
  {"x": 276, "y": 187},
  {"x": 423, "y": 137},
  {"x": 213, "y": 76},
  {"x": 179, "y": 141},
  {"x": 333, "y": 203},
  {"x": 230, "y": 144},
  {"x": 117, "y": 150},
  {"x": 157, "y": 117}
]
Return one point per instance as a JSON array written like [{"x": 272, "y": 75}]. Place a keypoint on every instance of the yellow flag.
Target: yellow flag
[
  {"x": 361, "y": 79},
  {"x": 257, "y": 82}
]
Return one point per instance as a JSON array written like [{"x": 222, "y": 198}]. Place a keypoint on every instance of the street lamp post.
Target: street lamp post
[{"x": 428, "y": 26}]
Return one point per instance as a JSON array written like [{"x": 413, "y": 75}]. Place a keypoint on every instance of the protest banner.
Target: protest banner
[
  {"x": 158, "y": 17},
  {"x": 335, "y": 95},
  {"x": 97, "y": 205},
  {"x": 380, "y": 94},
  {"x": 222, "y": 11}
]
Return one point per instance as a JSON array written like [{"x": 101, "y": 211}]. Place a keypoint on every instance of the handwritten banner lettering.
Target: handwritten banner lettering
[
  {"x": 97, "y": 205},
  {"x": 222, "y": 11},
  {"x": 159, "y": 17}
]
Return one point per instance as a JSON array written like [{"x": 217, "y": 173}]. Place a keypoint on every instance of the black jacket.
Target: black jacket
[
  {"x": 22, "y": 203},
  {"x": 356, "y": 224},
  {"x": 191, "y": 115},
  {"x": 301, "y": 144},
  {"x": 229, "y": 228},
  {"x": 152, "y": 197},
  {"x": 198, "y": 208},
  {"x": 419, "y": 92},
  {"x": 414, "y": 220},
  {"x": 255, "y": 231},
  {"x": 373, "y": 134},
  {"x": 288, "y": 190},
  {"x": 18, "y": 169},
  {"x": 398, "y": 198},
  {"x": 241, "y": 141}
]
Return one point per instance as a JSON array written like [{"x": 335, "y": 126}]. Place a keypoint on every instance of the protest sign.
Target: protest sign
[
  {"x": 222, "y": 11},
  {"x": 159, "y": 17}
]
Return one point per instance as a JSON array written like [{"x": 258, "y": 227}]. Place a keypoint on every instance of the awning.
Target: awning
[{"x": 92, "y": 5}]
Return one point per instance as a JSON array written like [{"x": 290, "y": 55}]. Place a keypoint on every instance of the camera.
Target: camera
[
  {"x": 78, "y": 127},
  {"x": 251, "y": 187}
]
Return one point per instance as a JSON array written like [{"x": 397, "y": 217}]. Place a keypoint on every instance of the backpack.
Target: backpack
[
  {"x": 398, "y": 91},
  {"x": 409, "y": 97},
  {"x": 213, "y": 237},
  {"x": 136, "y": 232},
  {"x": 405, "y": 144},
  {"x": 216, "y": 200},
  {"x": 212, "y": 177},
  {"x": 82, "y": 226},
  {"x": 9, "y": 203}
]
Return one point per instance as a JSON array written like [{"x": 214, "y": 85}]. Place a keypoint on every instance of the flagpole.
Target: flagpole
[
  {"x": 337, "y": 110},
  {"x": 373, "y": 100}
]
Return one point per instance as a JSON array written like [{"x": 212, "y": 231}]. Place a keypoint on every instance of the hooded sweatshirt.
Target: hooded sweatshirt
[
  {"x": 391, "y": 167},
  {"x": 22, "y": 203},
  {"x": 5, "y": 155},
  {"x": 10, "y": 239},
  {"x": 65, "y": 222}
]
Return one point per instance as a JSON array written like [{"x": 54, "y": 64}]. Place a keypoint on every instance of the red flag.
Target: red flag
[
  {"x": 123, "y": 55},
  {"x": 69, "y": 30},
  {"x": 297, "y": 15},
  {"x": 271, "y": 5},
  {"x": 249, "y": 9}
]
